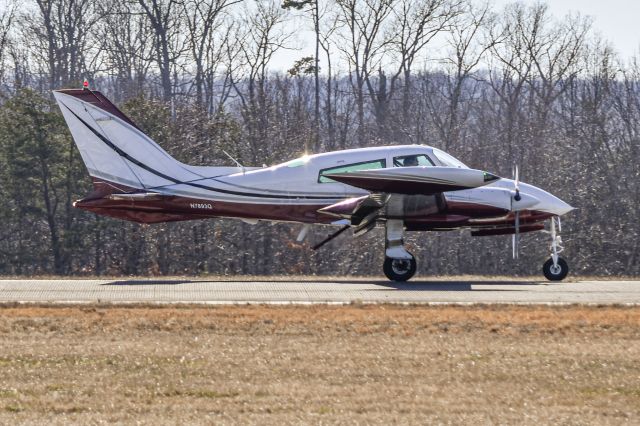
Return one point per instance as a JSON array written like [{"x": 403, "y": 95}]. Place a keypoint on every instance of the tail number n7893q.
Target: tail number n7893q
[{"x": 201, "y": 206}]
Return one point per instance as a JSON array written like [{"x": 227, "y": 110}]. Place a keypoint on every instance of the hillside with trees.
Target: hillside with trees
[{"x": 494, "y": 87}]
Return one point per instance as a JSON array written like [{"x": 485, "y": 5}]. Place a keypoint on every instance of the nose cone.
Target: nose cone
[
  {"x": 534, "y": 198},
  {"x": 560, "y": 207},
  {"x": 547, "y": 202}
]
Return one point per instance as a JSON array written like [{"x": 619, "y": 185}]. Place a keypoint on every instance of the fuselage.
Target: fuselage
[{"x": 297, "y": 190}]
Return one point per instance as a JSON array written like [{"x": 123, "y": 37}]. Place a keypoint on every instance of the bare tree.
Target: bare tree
[
  {"x": 127, "y": 51},
  {"x": 415, "y": 24},
  {"x": 467, "y": 47},
  {"x": 7, "y": 16},
  {"x": 263, "y": 36},
  {"x": 62, "y": 40},
  {"x": 362, "y": 44},
  {"x": 510, "y": 68},
  {"x": 166, "y": 18},
  {"x": 313, "y": 8},
  {"x": 327, "y": 29},
  {"x": 205, "y": 21}
]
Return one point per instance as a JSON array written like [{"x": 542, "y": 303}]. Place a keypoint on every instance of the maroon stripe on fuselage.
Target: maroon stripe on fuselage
[{"x": 173, "y": 208}]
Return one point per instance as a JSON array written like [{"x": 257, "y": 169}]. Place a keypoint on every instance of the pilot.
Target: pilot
[{"x": 410, "y": 161}]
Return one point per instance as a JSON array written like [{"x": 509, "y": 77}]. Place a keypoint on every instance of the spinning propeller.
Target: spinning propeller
[{"x": 515, "y": 238}]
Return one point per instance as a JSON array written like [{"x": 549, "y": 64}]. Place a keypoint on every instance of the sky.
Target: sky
[{"x": 615, "y": 20}]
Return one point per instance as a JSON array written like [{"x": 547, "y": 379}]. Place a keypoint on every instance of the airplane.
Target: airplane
[{"x": 403, "y": 188}]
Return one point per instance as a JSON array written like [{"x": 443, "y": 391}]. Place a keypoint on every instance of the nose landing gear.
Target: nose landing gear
[
  {"x": 555, "y": 268},
  {"x": 399, "y": 264}
]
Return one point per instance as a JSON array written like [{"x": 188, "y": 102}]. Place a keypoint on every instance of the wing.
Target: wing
[
  {"x": 415, "y": 180},
  {"x": 400, "y": 193}
]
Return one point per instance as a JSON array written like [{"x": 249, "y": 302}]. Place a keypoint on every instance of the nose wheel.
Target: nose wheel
[
  {"x": 557, "y": 271},
  {"x": 556, "y": 268}
]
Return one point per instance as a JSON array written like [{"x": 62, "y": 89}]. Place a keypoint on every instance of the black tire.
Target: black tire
[
  {"x": 399, "y": 269},
  {"x": 555, "y": 274}
]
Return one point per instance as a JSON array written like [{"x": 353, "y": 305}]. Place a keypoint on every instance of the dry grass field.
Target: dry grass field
[{"x": 355, "y": 364}]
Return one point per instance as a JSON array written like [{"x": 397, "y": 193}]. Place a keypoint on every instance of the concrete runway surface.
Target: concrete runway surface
[{"x": 344, "y": 290}]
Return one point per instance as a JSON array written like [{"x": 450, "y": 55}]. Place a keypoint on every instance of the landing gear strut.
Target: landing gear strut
[
  {"x": 399, "y": 264},
  {"x": 556, "y": 268}
]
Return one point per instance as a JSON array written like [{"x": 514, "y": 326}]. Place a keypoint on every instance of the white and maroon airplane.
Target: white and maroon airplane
[{"x": 403, "y": 188}]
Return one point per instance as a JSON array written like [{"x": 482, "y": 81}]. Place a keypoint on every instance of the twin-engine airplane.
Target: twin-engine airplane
[{"x": 403, "y": 188}]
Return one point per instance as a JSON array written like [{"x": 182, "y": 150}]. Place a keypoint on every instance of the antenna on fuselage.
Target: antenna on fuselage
[{"x": 234, "y": 160}]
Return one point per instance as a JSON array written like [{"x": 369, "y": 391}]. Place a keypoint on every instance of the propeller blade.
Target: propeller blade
[
  {"x": 515, "y": 238},
  {"x": 516, "y": 179}
]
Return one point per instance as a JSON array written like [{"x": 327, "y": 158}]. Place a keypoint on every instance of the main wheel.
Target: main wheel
[
  {"x": 399, "y": 269},
  {"x": 557, "y": 272}
]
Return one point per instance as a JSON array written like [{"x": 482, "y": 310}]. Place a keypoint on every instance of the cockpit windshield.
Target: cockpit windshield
[{"x": 448, "y": 160}]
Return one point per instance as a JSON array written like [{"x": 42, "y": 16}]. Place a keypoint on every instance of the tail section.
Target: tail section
[{"x": 116, "y": 152}]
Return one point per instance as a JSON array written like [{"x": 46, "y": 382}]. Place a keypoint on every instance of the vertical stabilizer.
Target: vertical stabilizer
[{"x": 113, "y": 148}]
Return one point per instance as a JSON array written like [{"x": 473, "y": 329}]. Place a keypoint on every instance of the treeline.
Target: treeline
[{"x": 492, "y": 87}]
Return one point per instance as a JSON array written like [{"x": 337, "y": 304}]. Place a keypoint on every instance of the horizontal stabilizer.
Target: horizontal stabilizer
[
  {"x": 416, "y": 180},
  {"x": 138, "y": 196},
  {"x": 124, "y": 200}
]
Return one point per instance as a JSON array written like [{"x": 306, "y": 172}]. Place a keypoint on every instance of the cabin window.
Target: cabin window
[
  {"x": 367, "y": 165},
  {"x": 412, "y": 160}
]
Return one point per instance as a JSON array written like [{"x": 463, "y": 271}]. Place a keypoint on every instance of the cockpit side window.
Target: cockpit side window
[
  {"x": 324, "y": 174},
  {"x": 412, "y": 160}
]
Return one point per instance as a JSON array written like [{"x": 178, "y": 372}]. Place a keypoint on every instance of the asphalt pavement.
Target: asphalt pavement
[{"x": 344, "y": 290}]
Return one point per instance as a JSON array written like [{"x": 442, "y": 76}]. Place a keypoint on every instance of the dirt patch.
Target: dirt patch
[{"x": 319, "y": 364}]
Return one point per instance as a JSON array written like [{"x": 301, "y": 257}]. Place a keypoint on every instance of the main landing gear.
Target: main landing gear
[
  {"x": 399, "y": 264},
  {"x": 555, "y": 268}
]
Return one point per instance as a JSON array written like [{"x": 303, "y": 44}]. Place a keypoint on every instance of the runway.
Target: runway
[{"x": 285, "y": 291}]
